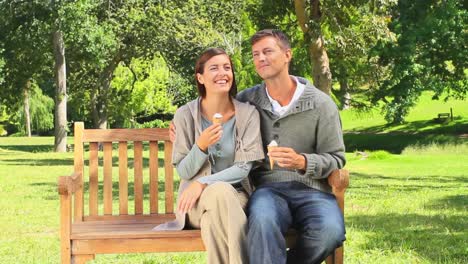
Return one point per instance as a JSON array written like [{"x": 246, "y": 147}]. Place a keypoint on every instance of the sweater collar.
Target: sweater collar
[
  {"x": 304, "y": 102},
  {"x": 239, "y": 112}
]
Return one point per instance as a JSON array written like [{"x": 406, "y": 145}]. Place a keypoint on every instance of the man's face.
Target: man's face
[{"x": 270, "y": 58}]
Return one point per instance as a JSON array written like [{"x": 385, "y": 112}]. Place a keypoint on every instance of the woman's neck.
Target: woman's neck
[{"x": 213, "y": 104}]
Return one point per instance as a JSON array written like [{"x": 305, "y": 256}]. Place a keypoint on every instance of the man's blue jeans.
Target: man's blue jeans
[{"x": 275, "y": 207}]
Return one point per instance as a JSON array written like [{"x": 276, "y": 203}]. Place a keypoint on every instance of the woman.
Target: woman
[{"x": 214, "y": 160}]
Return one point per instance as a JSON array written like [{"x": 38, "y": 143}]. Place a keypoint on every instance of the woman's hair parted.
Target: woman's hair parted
[{"x": 200, "y": 67}]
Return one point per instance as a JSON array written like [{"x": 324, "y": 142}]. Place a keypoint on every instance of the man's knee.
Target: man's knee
[
  {"x": 264, "y": 210},
  {"x": 329, "y": 234}
]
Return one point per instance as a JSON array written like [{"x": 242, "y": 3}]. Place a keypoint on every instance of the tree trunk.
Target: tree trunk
[
  {"x": 99, "y": 111},
  {"x": 100, "y": 98},
  {"x": 60, "y": 130},
  {"x": 310, "y": 25},
  {"x": 345, "y": 95},
  {"x": 320, "y": 66},
  {"x": 27, "y": 117}
]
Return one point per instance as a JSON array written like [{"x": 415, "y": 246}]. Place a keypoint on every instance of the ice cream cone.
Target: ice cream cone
[
  {"x": 270, "y": 146},
  {"x": 217, "y": 118}
]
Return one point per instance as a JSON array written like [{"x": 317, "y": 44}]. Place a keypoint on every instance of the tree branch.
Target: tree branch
[{"x": 302, "y": 18}]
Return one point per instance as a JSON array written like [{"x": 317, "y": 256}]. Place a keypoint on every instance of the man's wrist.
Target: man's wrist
[
  {"x": 303, "y": 162},
  {"x": 302, "y": 165}
]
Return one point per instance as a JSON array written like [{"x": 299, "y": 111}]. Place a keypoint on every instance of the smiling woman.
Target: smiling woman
[{"x": 213, "y": 157}]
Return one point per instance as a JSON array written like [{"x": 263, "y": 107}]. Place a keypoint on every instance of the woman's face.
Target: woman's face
[{"x": 217, "y": 75}]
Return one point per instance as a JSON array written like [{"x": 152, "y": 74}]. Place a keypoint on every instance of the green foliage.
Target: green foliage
[
  {"x": 154, "y": 123},
  {"x": 429, "y": 54},
  {"x": 139, "y": 89},
  {"x": 25, "y": 47}
]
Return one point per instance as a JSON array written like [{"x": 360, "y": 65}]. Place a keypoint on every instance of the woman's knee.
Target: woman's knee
[{"x": 218, "y": 190}]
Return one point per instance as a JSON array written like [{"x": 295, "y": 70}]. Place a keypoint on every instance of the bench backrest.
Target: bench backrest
[{"x": 127, "y": 157}]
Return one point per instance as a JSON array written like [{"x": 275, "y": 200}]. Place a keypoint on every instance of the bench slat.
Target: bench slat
[
  {"x": 126, "y": 218},
  {"x": 123, "y": 178},
  {"x": 169, "y": 177},
  {"x": 107, "y": 178},
  {"x": 93, "y": 179},
  {"x": 153, "y": 168},
  {"x": 115, "y": 246},
  {"x": 138, "y": 181},
  {"x": 115, "y": 135},
  {"x": 78, "y": 168}
]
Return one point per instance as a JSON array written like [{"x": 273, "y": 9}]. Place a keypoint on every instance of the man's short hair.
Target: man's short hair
[{"x": 275, "y": 33}]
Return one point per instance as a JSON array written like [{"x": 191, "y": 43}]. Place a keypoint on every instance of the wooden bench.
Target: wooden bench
[
  {"x": 95, "y": 217},
  {"x": 443, "y": 117}
]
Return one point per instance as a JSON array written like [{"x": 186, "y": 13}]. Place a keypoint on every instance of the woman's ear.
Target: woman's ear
[{"x": 200, "y": 78}]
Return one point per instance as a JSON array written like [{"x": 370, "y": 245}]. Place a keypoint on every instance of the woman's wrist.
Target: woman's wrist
[{"x": 201, "y": 146}]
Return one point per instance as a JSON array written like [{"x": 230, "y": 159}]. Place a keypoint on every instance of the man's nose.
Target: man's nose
[{"x": 261, "y": 57}]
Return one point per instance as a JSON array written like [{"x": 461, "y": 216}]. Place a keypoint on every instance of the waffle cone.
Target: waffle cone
[
  {"x": 216, "y": 120},
  {"x": 272, "y": 161}
]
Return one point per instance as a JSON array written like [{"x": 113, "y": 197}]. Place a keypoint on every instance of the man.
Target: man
[{"x": 305, "y": 123}]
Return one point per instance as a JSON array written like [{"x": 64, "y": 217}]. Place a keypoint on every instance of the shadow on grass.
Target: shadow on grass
[
  {"x": 457, "y": 202},
  {"x": 436, "y": 238},
  {"x": 409, "y": 180},
  {"x": 29, "y": 148},
  {"x": 455, "y": 127},
  {"x": 396, "y": 142}
]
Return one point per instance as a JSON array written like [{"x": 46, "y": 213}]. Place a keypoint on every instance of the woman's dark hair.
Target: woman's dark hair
[{"x": 200, "y": 66}]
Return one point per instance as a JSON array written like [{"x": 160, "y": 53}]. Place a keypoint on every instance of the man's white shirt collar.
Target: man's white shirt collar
[{"x": 281, "y": 110}]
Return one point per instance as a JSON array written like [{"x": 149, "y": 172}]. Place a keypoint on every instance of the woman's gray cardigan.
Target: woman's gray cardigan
[{"x": 188, "y": 123}]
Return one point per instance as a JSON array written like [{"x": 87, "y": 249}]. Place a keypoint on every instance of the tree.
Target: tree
[
  {"x": 337, "y": 35},
  {"x": 428, "y": 55},
  {"x": 23, "y": 38},
  {"x": 102, "y": 35}
]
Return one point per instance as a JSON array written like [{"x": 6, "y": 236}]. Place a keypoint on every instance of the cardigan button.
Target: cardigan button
[
  {"x": 277, "y": 124},
  {"x": 275, "y": 137}
]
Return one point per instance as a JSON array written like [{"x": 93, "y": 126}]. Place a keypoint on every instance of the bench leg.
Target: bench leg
[
  {"x": 336, "y": 257},
  {"x": 81, "y": 259}
]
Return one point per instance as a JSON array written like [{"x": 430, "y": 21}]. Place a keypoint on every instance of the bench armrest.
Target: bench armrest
[
  {"x": 69, "y": 184},
  {"x": 339, "y": 180}
]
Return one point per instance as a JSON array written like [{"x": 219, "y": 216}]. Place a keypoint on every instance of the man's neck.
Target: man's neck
[{"x": 281, "y": 88}]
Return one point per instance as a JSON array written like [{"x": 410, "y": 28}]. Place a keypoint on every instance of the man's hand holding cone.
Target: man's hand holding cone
[{"x": 286, "y": 158}]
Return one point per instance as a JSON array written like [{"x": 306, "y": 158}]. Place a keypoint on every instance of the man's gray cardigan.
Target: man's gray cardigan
[{"x": 311, "y": 127}]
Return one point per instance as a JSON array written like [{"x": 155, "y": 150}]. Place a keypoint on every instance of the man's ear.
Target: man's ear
[{"x": 289, "y": 54}]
